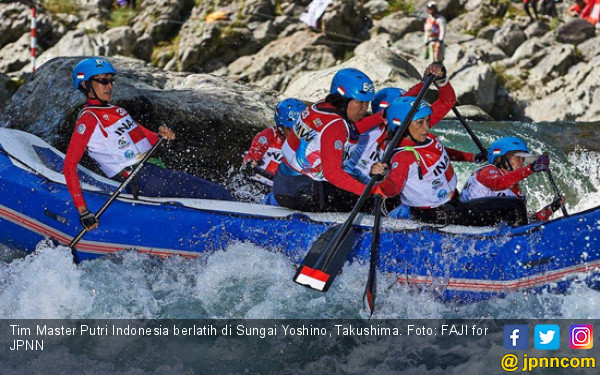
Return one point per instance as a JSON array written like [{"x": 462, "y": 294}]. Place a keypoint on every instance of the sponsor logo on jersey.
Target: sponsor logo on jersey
[
  {"x": 338, "y": 145},
  {"x": 81, "y": 128},
  {"x": 262, "y": 140},
  {"x": 121, "y": 111},
  {"x": 317, "y": 122},
  {"x": 123, "y": 143},
  {"x": 129, "y": 154},
  {"x": 442, "y": 194},
  {"x": 105, "y": 117}
]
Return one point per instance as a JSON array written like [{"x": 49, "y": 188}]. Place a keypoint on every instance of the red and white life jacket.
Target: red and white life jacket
[
  {"x": 433, "y": 27},
  {"x": 117, "y": 141},
  {"x": 302, "y": 148},
  {"x": 474, "y": 189},
  {"x": 438, "y": 184}
]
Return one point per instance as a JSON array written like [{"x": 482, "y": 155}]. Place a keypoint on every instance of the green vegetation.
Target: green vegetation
[
  {"x": 121, "y": 16},
  {"x": 61, "y": 6},
  {"x": 404, "y": 6},
  {"x": 511, "y": 83}
]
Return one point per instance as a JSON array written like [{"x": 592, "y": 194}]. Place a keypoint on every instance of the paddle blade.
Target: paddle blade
[
  {"x": 369, "y": 299},
  {"x": 316, "y": 272}
]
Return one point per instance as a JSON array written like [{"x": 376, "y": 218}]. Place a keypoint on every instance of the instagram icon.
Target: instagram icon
[{"x": 581, "y": 336}]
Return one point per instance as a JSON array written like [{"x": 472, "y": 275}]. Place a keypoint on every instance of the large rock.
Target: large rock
[
  {"x": 14, "y": 22},
  {"x": 159, "y": 19},
  {"x": 575, "y": 31},
  {"x": 509, "y": 37},
  {"x": 555, "y": 63},
  {"x": 283, "y": 59},
  {"x": 397, "y": 25},
  {"x": 7, "y": 89},
  {"x": 209, "y": 46},
  {"x": 384, "y": 67},
  {"x": 475, "y": 85},
  {"x": 74, "y": 43},
  {"x": 590, "y": 48},
  {"x": 15, "y": 56},
  {"x": 345, "y": 20},
  {"x": 537, "y": 28},
  {"x": 525, "y": 52},
  {"x": 120, "y": 41},
  {"x": 214, "y": 118}
]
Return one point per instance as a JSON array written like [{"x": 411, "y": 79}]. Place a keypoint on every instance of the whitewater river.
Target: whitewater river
[{"x": 246, "y": 281}]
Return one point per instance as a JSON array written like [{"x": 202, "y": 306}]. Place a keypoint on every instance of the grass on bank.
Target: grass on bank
[
  {"x": 121, "y": 16},
  {"x": 61, "y": 6}
]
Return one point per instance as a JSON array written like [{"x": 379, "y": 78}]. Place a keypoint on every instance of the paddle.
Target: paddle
[
  {"x": 556, "y": 192},
  {"x": 328, "y": 254},
  {"x": 468, "y": 129},
  {"x": 371, "y": 287},
  {"x": 113, "y": 197}
]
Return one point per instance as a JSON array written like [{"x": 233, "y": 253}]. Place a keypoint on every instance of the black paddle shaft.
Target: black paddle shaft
[
  {"x": 326, "y": 257},
  {"x": 556, "y": 191},
  {"x": 468, "y": 129},
  {"x": 114, "y": 196},
  {"x": 371, "y": 287}
]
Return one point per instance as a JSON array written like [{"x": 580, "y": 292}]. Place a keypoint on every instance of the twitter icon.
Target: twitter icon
[{"x": 547, "y": 337}]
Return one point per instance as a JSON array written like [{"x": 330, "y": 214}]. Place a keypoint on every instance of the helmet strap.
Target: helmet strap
[{"x": 91, "y": 88}]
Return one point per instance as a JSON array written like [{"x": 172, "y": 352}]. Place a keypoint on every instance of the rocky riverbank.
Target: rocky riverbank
[{"x": 503, "y": 66}]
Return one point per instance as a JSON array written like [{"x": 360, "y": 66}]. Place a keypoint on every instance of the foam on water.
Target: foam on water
[{"x": 245, "y": 281}]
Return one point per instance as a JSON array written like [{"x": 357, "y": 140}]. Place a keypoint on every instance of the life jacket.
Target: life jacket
[
  {"x": 474, "y": 189},
  {"x": 272, "y": 156},
  {"x": 302, "y": 148},
  {"x": 431, "y": 180},
  {"x": 117, "y": 141},
  {"x": 592, "y": 12},
  {"x": 367, "y": 152},
  {"x": 432, "y": 27}
]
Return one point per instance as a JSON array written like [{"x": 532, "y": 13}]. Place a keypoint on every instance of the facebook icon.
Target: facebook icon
[{"x": 516, "y": 336}]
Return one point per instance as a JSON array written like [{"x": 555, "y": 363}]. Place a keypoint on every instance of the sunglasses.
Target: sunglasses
[{"x": 104, "y": 81}]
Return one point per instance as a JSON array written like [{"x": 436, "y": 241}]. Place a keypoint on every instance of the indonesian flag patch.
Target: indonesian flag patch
[
  {"x": 80, "y": 76},
  {"x": 496, "y": 151},
  {"x": 384, "y": 104},
  {"x": 341, "y": 90},
  {"x": 396, "y": 122}
]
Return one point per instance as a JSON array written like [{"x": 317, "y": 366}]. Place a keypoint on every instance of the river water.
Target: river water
[{"x": 246, "y": 281}]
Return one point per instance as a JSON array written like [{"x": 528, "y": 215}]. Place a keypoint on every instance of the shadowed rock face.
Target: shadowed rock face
[{"x": 214, "y": 118}]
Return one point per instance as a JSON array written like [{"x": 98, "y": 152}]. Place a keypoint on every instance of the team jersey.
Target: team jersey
[
  {"x": 435, "y": 28},
  {"x": 491, "y": 181},
  {"x": 112, "y": 138},
  {"x": 319, "y": 143},
  {"x": 266, "y": 150},
  {"x": 371, "y": 144},
  {"x": 423, "y": 174}
]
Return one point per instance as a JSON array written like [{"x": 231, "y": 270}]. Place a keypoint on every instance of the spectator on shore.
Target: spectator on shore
[
  {"x": 591, "y": 12},
  {"x": 531, "y": 4},
  {"x": 435, "y": 31}
]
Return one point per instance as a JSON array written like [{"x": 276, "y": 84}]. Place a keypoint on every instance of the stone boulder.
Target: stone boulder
[
  {"x": 509, "y": 37},
  {"x": 470, "y": 112},
  {"x": 210, "y": 46},
  {"x": 214, "y": 118},
  {"x": 590, "y": 48},
  {"x": 120, "y": 41},
  {"x": 575, "y": 31},
  {"x": 475, "y": 85},
  {"x": 14, "y": 22},
  {"x": 74, "y": 43},
  {"x": 7, "y": 89},
  {"x": 283, "y": 59},
  {"x": 555, "y": 62},
  {"x": 537, "y": 28},
  {"x": 377, "y": 8},
  {"x": 384, "y": 67},
  {"x": 397, "y": 25},
  {"x": 345, "y": 20},
  {"x": 15, "y": 56},
  {"x": 573, "y": 97},
  {"x": 159, "y": 19}
]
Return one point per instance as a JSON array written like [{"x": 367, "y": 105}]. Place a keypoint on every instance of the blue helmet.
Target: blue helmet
[
  {"x": 288, "y": 111},
  {"x": 86, "y": 69},
  {"x": 398, "y": 110},
  {"x": 385, "y": 97},
  {"x": 505, "y": 145},
  {"x": 353, "y": 84}
]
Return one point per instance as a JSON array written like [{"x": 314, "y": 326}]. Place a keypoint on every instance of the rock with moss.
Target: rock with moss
[{"x": 160, "y": 19}]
